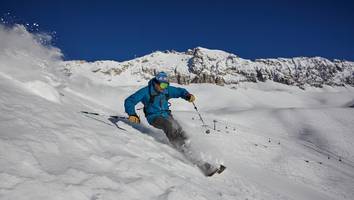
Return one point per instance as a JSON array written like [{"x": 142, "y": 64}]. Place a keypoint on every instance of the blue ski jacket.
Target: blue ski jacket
[{"x": 155, "y": 103}]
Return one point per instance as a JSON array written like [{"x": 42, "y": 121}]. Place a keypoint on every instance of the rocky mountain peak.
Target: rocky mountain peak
[{"x": 201, "y": 65}]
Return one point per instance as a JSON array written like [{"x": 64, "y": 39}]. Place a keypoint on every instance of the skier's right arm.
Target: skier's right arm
[{"x": 132, "y": 100}]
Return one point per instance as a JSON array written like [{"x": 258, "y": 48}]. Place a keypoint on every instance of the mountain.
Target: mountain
[{"x": 201, "y": 65}]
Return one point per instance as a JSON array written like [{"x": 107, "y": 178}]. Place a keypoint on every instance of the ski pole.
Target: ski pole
[
  {"x": 201, "y": 119},
  {"x": 200, "y": 116},
  {"x": 110, "y": 118},
  {"x": 99, "y": 114}
]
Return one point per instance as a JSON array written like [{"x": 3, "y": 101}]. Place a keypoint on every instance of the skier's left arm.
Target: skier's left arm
[{"x": 177, "y": 92}]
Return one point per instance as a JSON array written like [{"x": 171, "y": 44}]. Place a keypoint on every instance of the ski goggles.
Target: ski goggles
[{"x": 163, "y": 85}]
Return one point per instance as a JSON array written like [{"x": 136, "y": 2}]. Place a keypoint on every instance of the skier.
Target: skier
[{"x": 155, "y": 98}]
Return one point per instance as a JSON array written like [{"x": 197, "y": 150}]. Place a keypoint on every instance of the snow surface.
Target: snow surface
[{"x": 277, "y": 141}]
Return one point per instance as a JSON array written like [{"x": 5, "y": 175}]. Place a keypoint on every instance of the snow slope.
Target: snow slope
[{"x": 278, "y": 141}]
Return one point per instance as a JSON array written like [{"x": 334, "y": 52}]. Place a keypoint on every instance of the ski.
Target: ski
[{"x": 219, "y": 170}]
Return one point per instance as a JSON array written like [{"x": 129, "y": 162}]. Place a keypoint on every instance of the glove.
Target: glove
[
  {"x": 190, "y": 98},
  {"x": 134, "y": 119}
]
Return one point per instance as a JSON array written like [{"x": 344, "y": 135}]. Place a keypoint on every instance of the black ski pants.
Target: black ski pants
[{"x": 172, "y": 129}]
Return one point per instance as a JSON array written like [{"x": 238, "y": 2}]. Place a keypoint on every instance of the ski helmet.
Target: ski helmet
[{"x": 161, "y": 77}]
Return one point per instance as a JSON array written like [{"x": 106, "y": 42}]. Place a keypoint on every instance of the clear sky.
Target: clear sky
[{"x": 120, "y": 30}]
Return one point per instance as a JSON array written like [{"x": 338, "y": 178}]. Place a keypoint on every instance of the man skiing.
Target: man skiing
[{"x": 155, "y": 98}]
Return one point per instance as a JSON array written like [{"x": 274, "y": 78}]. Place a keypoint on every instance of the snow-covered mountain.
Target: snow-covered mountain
[
  {"x": 202, "y": 65},
  {"x": 277, "y": 141}
]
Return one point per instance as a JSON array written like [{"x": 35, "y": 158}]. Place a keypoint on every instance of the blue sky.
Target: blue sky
[{"x": 117, "y": 30}]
